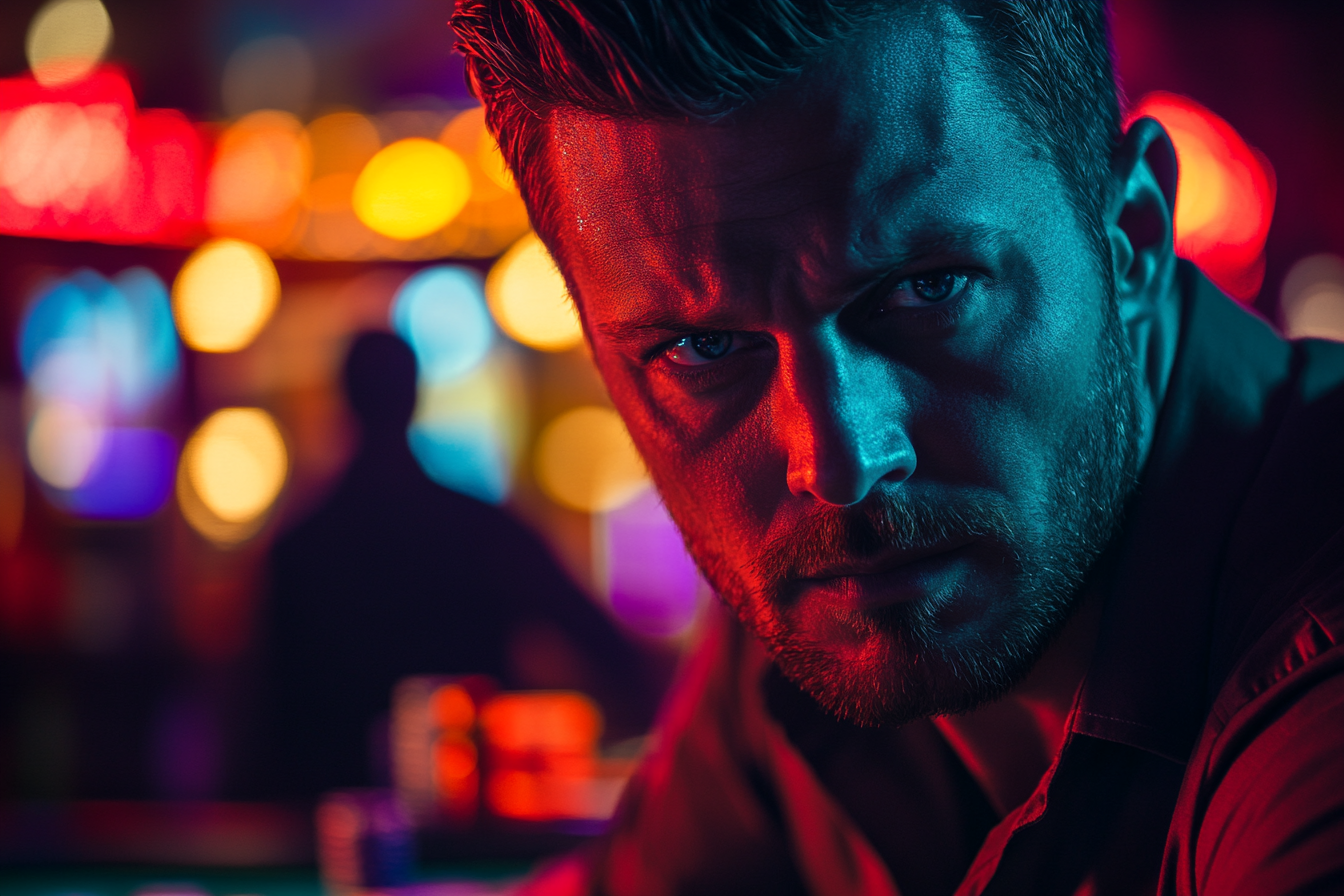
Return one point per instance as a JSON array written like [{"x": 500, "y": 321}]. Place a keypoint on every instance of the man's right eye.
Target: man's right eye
[{"x": 702, "y": 348}]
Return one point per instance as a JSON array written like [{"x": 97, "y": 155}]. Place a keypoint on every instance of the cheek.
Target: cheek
[
  {"x": 997, "y": 406},
  {"x": 721, "y": 482}
]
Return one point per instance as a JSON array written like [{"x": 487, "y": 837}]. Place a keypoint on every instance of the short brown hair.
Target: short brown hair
[{"x": 705, "y": 58}]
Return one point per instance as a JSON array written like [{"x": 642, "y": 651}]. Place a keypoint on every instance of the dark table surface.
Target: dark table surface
[{"x": 476, "y": 879}]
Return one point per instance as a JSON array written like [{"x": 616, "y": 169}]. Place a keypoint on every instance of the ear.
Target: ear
[
  {"x": 1139, "y": 224},
  {"x": 1139, "y": 220}
]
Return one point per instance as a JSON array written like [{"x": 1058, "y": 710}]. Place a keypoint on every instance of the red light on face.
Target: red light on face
[{"x": 1225, "y": 193}]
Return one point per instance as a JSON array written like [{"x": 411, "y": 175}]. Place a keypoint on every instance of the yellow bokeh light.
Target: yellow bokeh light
[
  {"x": 67, "y": 39},
  {"x": 411, "y": 189},
  {"x": 529, "y": 299},
  {"x": 232, "y": 470},
  {"x": 224, "y": 295},
  {"x": 586, "y": 461}
]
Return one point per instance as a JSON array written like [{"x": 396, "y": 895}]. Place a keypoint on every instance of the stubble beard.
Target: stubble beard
[{"x": 917, "y": 661}]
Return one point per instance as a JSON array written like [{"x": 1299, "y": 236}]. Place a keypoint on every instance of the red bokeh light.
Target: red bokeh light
[
  {"x": 1225, "y": 195},
  {"x": 81, "y": 162}
]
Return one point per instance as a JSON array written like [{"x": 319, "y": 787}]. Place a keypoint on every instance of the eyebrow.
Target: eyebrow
[
  {"x": 661, "y": 322},
  {"x": 928, "y": 242},
  {"x": 918, "y": 245}
]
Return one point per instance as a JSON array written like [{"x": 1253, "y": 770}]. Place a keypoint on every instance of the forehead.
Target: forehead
[{"x": 877, "y": 136}]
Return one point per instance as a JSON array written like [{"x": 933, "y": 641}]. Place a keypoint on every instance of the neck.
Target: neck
[{"x": 1009, "y": 744}]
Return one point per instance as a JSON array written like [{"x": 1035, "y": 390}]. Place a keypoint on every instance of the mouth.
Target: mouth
[{"x": 895, "y": 577}]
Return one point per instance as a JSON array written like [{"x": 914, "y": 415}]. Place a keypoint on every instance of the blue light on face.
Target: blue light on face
[{"x": 441, "y": 312}]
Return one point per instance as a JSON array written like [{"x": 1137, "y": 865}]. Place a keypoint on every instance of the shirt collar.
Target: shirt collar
[{"x": 1147, "y": 685}]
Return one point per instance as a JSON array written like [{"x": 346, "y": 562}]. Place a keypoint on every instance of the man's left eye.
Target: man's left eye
[
  {"x": 926, "y": 289},
  {"x": 702, "y": 348}
]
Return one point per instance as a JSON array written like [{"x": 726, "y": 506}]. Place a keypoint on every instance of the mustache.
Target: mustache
[{"x": 886, "y": 521}]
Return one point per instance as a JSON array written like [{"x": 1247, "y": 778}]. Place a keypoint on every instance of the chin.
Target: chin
[{"x": 913, "y": 661}]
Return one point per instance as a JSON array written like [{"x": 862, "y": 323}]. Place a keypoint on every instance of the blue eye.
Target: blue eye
[
  {"x": 934, "y": 288},
  {"x": 702, "y": 348},
  {"x": 926, "y": 289}
]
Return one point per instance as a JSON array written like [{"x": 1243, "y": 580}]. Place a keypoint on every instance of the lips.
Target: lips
[{"x": 891, "y": 578}]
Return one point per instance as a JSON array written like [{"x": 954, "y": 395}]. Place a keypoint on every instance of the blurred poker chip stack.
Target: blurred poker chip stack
[
  {"x": 365, "y": 841},
  {"x": 436, "y": 746}
]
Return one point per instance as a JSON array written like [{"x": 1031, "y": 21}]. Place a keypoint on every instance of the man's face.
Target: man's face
[{"x": 862, "y": 341}]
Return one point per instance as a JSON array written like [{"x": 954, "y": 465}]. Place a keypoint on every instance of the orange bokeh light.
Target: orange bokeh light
[
  {"x": 1225, "y": 194},
  {"x": 261, "y": 168},
  {"x": 548, "y": 722},
  {"x": 452, "y": 708},
  {"x": 454, "y": 760}
]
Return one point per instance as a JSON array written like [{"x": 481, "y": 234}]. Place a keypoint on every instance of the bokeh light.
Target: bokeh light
[
  {"x": 649, "y": 579},
  {"x": 82, "y": 163},
  {"x": 67, "y": 39},
  {"x": 98, "y": 354},
  {"x": 411, "y": 189},
  {"x": 543, "y": 758},
  {"x": 530, "y": 300},
  {"x": 552, "y": 722},
  {"x": 1225, "y": 194},
  {"x": 224, "y": 294},
  {"x": 64, "y": 440},
  {"x": 61, "y": 154},
  {"x": 435, "y": 764},
  {"x": 276, "y": 71},
  {"x": 467, "y": 433},
  {"x": 261, "y": 169},
  {"x": 492, "y": 161},
  {"x": 107, "y": 345},
  {"x": 231, "y": 472},
  {"x": 1312, "y": 298},
  {"x": 586, "y": 461},
  {"x": 441, "y": 312},
  {"x": 131, "y": 477},
  {"x": 342, "y": 143}
]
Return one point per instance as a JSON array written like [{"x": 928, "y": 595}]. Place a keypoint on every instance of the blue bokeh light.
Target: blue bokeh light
[
  {"x": 109, "y": 348},
  {"x": 466, "y": 459},
  {"x": 441, "y": 312},
  {"x": 104, "y": 342}
]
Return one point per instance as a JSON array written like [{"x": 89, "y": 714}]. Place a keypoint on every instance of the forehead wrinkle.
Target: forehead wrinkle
[{"x": 679, "y": 177}]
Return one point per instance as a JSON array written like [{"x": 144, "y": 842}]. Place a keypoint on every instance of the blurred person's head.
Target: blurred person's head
[
  {"x": 379, "y": 378},
  {"x": 868, "y": 282}
]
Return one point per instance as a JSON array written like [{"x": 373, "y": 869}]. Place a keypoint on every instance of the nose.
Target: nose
[{"x": 841, "y": 410}]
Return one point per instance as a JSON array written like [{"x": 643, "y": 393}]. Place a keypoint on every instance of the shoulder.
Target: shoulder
[{"x": 1262, "y": 808}]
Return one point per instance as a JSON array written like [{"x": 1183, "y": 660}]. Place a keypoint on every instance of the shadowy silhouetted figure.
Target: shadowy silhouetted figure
[{"x": 396, "y": 575}]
